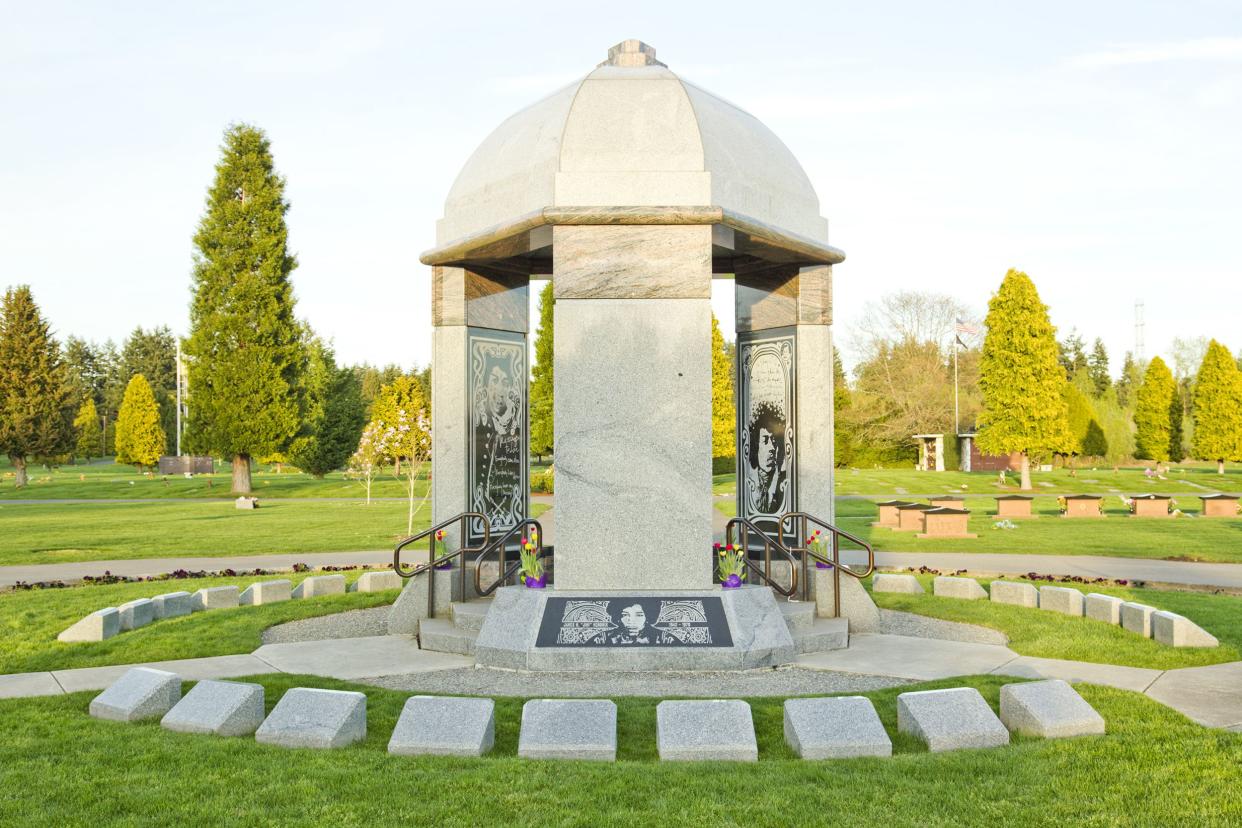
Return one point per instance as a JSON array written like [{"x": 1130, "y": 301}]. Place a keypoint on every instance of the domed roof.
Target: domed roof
[{"x": 632, "y": 133}]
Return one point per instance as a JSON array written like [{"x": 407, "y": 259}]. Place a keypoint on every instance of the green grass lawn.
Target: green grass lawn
[
  {"x": 30, "y": 620},
  {"x": 1035, "y": 632},
  {"x": 1153, "y": 767},
  {"x": 1191, "y": 478}
]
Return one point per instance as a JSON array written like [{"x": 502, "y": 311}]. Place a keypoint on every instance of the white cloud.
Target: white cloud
[{"x": 1199, "y": 49}]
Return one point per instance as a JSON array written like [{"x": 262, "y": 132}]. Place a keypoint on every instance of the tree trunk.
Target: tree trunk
[
  {"x": 1220, "y": 466},
  {"x": 1025, "y": 485},
  {"x": 241, "y": 474},
  {"x": 19, "y": 465}
]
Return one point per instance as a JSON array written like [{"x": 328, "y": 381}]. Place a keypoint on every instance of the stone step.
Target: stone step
[
  {"x": 824, "y": 634},
  {"x": 470, "y": 615},
  {"x": 799, "y": 615},
  {"x": 443, "y": 636}
]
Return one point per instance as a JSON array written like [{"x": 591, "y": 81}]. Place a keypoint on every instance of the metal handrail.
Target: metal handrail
[
  {"x": 768, "y": 545},
  {"x": 835, "y": 562},
  {"x": 430, "y": 567},
  {"x": 499, "y": 545}
]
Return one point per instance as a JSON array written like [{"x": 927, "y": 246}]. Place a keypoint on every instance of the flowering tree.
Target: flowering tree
[{"x": 365, "y": 462}]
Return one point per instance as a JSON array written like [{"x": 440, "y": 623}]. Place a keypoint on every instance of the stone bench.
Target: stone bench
[
  {"x": 1009, "y": 592},
  {"x": 569, "y": 729},
  {"x": 266, "y": 592},
  {"x": 1106, "y": 608},
  {"x": 1048, "y": 709},
  {"x": 835, "y": 728},
  {"x": 945, "y": 586},
  {"x": 444, "y": 726},
  {"x": 950, "y": 719},
  {"x": 1136, "y": 618},
  {"x": 312, "y": 718},
  {"x": 173, "y": 605},
  {"x": 141, "y": 693},
  {"x": 99, "y": 625},
  {"x": 136, "y": 613},
  {"x": 1064, "y": 600},
  {"x": 218, "y": 708},
  {"x": 320, "y": 585},
  {"x": 210, "y": 598},
  {"x": 1179, "y": 631},
  {"x": 376, "y": 582},
  {"x": 896, "y": 582},
  {"x": 719, "y": 730}
]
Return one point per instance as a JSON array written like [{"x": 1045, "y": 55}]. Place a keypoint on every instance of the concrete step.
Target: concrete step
[
  {"x": 824, "y": 634},
  {"x": 442, "y": 636},
  {"x": 469, "y": 615},
  {"x": 799, "y": 615}
]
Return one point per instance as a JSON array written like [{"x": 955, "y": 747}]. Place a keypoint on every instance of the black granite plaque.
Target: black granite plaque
[
  {"x": 496, "y": 480},
  {"x": 767, "y": 448},
  {"x": 634, "y": 622}
]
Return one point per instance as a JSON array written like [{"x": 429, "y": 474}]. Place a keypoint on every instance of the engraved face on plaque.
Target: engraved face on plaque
[
  {"x": 634, "y": 622},
  {"x": 497, "y": 474},
  {"x": 765, "y": 427}
]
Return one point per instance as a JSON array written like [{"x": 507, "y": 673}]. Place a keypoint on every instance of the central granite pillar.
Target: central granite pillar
[{"x": 633, "y": 407}]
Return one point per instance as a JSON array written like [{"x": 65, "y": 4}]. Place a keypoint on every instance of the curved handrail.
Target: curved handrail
[
  {"x": 835, "y": 561},
  {"x": 769, "y": 544},
  {"x": 505, "y": 573},
  {"x": 463, "y": 520}
]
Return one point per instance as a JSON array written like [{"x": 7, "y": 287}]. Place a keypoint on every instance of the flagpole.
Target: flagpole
[{"x": 956, "y": 427}]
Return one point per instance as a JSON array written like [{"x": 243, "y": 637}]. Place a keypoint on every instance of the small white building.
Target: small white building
[{"x": 931, "y": 452}]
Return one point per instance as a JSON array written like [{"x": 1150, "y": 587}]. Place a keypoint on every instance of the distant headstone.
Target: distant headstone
[
  {"x": 950, "y": 719},
  {"x": 377, "y": 582},
  {"x": 320, "y": 585},
  {"x": 209, "y": 598},
  {"x": 444, "y": 726},
  {"x": 1008, "y": 592},
  {"x": 220, "y": 708},
  {"x": 313, "y": 718},
  {"x": 1048, "y": 709},
  {"x": 265, "y": 592},
  {"x": 835, "y": 728},
  {"x": 141, "y": 693},
  {"x": 1064, "y": 600},
  {"x": 965, "y": 588},
  {"x": 244, "y": 502},
  {"x": 136, "y": 613},
  {"x": 891, "y": 582},
  {"x": 1179, "y": 631},
  {"x": 97, "y": 626},
  {"x": 173, "y": 605},
  {"x": 569, "y": 729},
  {"x": 186, "y": 465},
  {"x": 706, "y": 730},
  {"x": 1106, "y": 608},
  {"x": 1136, "y": 618}
]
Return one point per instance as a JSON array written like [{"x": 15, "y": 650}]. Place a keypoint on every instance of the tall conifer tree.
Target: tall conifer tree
[
  {"x": 542, "y": 428},
  {"x": 140, "y": 438},
  {"x": 724, "y": 411},
  {"x": 1021, "y": 377},
  {"x": 36, "y": 397},
  {"x": 335, "y": 417},
  {"x": 1218, "y": 408},
  {"x": 1158, "y": 415},
  {"x": 245, "y": 348},
  {"x": 89, "y": 433}
]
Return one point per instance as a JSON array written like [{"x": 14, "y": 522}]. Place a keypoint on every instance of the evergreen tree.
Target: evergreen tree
[
  {"x": 1131, "y": 378},
  {"x": 1020, "y": 377},
  {"x": 724, "y": 412},
  {"x": 371, "y": 379},
  {"x": 1157, "y": 414},
  {"x": 404, "y": 402},
  {"x": 1218, "y": 408},
  {"x": 542, "y": 426},
  {"x": 245, "y": 349},
  {"x": 36, "y": 397},
  {"x": 140, "y": 438},
  {"x": 842, "y": 432},
  {"x": 1087, "y": 436},
  {"x": 1097, "y": 368},
  {"x": 90, "y": 435},
  {"x": 153, "y": 354},
  {"x": 1071, "y": 353},
  {"x": 84, "y": 362},
  {"x": 336, "y": 415}
]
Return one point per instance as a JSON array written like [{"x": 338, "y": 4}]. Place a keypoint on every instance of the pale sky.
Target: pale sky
[{"x": 1094, "y": 145}]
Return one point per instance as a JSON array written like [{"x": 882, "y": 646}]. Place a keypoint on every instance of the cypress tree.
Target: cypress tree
[
  {"x": 542, "y": 429},
  {"x": 1021, "y": 378},
  {"x": 724, "y": 414},
  {"x": 1218, "y": 408},
  {"x": 1097, "y": 368},
  {"x": 245, "y": 348},
  {"x": 1157, "y": 414},
  {"x": 336, "y": 415},
  {"x": 842, "y": 432},
  {"x": 36, "y": 396},
  {"x": 90, "y": 435},
  {"x": 140, "y": 438}
]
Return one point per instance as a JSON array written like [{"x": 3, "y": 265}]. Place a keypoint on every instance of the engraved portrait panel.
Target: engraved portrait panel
[
  {"x": 766, "y": 453},
  {"x": 497, "y": 406},
  {"x": 634, "y": 622}
]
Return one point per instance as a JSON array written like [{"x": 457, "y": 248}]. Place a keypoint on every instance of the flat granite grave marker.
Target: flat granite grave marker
[
  {"x": 320, "y": 585},
  {"x": 569, "y": 729},
  {"x": 1048, "y": 709},
  {"x": 1106, "y": 608},
  {"x": 1020, "y": 595},
  {"x": 312, "y": 718},
  {"x": 1179, "y": 631},
  {"x": 444, "y": 726},
  {"x": 136, "y": 613},
  {"x": 967, "y": 589},
  {"x": 173, "y": 605},
  {"x": 950, "y": 719},
  {"x": 141, "y": 693},
  {"x": 835, "y": 728},
  {"x": 97, "y": 626},
  {"x": 266, "y": 592},
  {"x": 220, "y": 708},
  {"x": 1136, "y": 618},
  {"x": 1064, "y": 600},
  {"x": 718, "y": 730},
  {"x": 209, "y": 598}
]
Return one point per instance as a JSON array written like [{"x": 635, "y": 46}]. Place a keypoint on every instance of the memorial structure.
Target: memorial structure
[{"x": 631, "y": 189}]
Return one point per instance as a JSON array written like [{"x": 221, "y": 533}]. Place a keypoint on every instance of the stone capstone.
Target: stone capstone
[
  {"x": 966, "y": 588},
  {"x": 376, "y": 582},
  {"x": 319, "y": 585},
  {"x": 97, "y": 626},
  {"x": 706, "y": 730},
  {"x": 137, "y": 613},
  {"x": 222, "y": 597},
  {"x": 1179, "y": 631},
  {"x": 1064, "y": 600},
  {"x": 444, "y": 726},
  {"x": 950, "y": 719},
  {"x": 173, "y": 605},
  {"x": 1106, "y": 608},
  {"x": 1008, "y": 592},
  {"x": 266, "y": 592},
  {"x": 892, "y": 582},
  {"x": 1048, "y": 709},
  {"x": 313, "y": 718},
  {"x": 141, "y": 693},
  {"x": 835, "y": 728},
  {"x": 220, "y": 708},
  {"x": 1136, "y": 618},
  {"x": 569, "y": 729}
]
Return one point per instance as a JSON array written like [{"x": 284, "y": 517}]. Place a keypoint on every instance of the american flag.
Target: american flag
[{"x": 964, "y": 327}]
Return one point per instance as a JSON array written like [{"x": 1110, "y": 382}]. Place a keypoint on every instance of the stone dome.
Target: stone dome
[{"x": 634, "y": 134}]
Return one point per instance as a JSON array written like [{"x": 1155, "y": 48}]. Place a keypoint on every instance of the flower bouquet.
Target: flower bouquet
[
  {"x": 815, "y": 543},
  {"x": 730, "y": 565},
  {"x": 439, "y": 553},
  {"x": 532, "y": 568}
]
